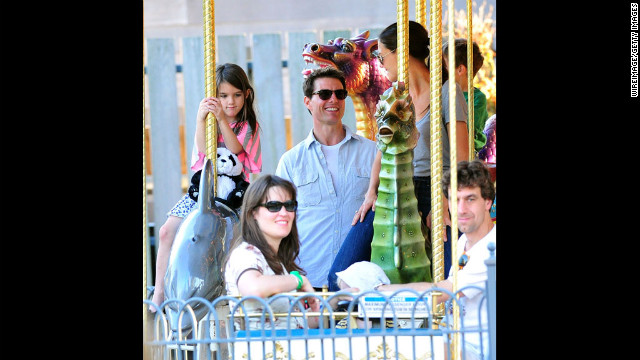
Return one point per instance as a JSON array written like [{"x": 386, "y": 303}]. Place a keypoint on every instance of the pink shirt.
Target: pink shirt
[{"x": 250, "y": 157}]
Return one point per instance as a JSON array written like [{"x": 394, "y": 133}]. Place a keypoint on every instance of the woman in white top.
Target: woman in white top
[{"x": 262, "y": 261}]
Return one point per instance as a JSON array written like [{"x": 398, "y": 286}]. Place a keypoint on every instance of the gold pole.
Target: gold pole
[
  {"x": 403, "y": 43},
  {"x": 472, "y": 145},
  {"x": 144, "y": 213},
  {"x": 421, "y": 12},
  {"x": 435, "y": 79},
  {"x": 211, "y": 137},
  {"x": 453, "y": 203}
]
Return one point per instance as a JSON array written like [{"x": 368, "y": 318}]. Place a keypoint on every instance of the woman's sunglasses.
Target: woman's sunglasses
[
  {"x": 326, "y": 94},
  {"x": 275, "y": 206}
]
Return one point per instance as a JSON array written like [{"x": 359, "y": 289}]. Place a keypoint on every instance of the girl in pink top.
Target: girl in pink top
[{"x": 238, "y": 132}]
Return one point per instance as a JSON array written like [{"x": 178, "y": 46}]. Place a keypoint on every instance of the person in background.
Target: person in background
[
  {"x": 475, "y": 195},
  {"x": 357, "y": 245},
  {"x": 480, "y": 114}
]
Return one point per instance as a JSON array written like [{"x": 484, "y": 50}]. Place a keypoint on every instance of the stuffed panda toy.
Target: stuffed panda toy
[
  {"x": 231, "y": 185},
  {"x": 229, "y": 172}
]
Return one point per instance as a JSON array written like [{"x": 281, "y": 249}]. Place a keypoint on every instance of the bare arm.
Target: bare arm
[
  {"x": 208, "y": 105},
  {"x": 252, "y": 282},
  {"x": 462, "y": 140}
]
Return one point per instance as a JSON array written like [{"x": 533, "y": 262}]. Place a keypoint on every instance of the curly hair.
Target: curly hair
[{"x": 471, "y": 174}]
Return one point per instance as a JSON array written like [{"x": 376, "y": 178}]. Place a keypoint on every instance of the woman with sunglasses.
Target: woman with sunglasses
[
  {"x": 262, "y": 261},
  {"x": 357, "y": 245}
]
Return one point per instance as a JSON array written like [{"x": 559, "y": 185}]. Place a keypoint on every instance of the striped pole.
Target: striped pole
[
  {"x": 421, "y": 13},
  {"x": 435, "y": 79},
  {"x": 144, "y": 215},
  {"x": 403, "y": 43},
  {"x": 453, "y": 203},
  {"x": 211, "y": 137},
  {"x": 472, "y": 145}
]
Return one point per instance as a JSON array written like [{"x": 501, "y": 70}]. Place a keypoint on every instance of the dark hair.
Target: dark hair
[
  {"x": 418, "y": 43},
  {"x": 235, "y": 75},
  {"x": 289, "y": 249},
  {"x": 461, "y": 54},
  {"x": 330, "y": 72},
  {"x": 471, "y": 174}
]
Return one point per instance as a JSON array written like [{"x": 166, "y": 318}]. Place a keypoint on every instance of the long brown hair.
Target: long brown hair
[
  {"x": 289, "y": 246},
  {"x": 235, "y": 75}
]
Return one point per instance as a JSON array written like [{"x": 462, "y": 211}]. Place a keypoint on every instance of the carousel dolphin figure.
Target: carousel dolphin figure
[{"x": 196, "y": 259}]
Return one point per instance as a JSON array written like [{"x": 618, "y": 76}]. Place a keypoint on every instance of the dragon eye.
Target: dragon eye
[{"x": 348, "y": 46}]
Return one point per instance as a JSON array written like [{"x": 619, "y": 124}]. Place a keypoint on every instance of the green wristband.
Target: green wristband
[{"x": 297, "y": 274}]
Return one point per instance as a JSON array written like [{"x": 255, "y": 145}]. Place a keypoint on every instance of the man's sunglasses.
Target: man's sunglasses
[
  {"x": 275, "y": 206},
  {"x": 326, "y": 94},
  {"x": 464, "y": 259}
]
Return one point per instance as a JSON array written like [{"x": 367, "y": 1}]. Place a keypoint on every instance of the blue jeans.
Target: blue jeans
[{"x": 356, "y": 247}]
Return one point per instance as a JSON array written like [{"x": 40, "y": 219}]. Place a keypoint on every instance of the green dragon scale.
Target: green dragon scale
[{"x": 399, "y": 243}]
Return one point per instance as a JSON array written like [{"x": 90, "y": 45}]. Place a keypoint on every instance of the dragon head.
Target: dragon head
[
  {"x": 395, "y": 117},
  {"x": 352, "y": 56}
]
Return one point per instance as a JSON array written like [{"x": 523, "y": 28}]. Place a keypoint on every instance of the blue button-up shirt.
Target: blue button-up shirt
[{"x": 325, "y": 212}]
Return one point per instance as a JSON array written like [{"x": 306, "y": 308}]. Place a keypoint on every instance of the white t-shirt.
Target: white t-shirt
[
  {"x": 247, "y": 256},
  {"x": 474, "y": 273},
  {"x": 331, "y": 157}
]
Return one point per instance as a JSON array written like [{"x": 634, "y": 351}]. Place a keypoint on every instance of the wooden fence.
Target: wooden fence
[{"x": 173, "y": 91}]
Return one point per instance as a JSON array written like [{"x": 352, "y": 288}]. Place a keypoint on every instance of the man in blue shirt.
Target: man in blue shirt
[{"x": 331, "y": 170}]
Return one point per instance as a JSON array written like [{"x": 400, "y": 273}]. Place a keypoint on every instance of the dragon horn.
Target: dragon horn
[
  {"x": 364, "y": 34},
  {"x": 369, "y": 46}
]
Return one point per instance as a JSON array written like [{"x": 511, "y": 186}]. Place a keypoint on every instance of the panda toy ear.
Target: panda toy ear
[{"x": 237, "y": 167}]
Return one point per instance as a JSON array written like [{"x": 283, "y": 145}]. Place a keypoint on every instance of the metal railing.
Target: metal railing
[{"x": 391, "y": 333}]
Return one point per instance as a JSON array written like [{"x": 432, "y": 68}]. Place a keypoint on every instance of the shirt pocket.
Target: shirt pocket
[
  {"x": 360, "y": 177},
  {"x": 308, "y": 188}
]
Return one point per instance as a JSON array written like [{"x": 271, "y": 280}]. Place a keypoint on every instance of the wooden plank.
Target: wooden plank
[
  {"x": 349, "y": 117},
  {"x": 301, "y": 120},
  {"x": 268, "y": 85},
  {"x": 165, "y": 142},
  {"x": 193, "y": 74},
  {"x": 232, "y": 49}
]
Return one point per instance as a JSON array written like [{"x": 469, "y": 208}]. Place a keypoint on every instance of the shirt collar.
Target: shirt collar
[{"x": 310, "y": 139}]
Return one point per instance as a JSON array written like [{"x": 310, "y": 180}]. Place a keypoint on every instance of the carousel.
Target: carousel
[{"x": 198, "y": 320}]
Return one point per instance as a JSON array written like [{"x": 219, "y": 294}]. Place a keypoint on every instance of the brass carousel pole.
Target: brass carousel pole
[
  {"x": 435, "y": 80},
  {"x": 211, "y": 136},
  {"x": 421, "y": 12},
  {"x": 453, "y": 203},
  {"x": 144, "y": 214},
  {"x": 403, "y": 43},
  {"x": 471, "y": 127}
]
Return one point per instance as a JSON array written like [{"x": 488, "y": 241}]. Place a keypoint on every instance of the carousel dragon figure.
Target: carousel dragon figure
[
  {"x": 399, "y": 245},
  {"x": 365, "y": 78}
]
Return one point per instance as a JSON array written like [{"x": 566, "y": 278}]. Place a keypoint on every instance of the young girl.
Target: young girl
[{"x": 237, "y": 131}]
